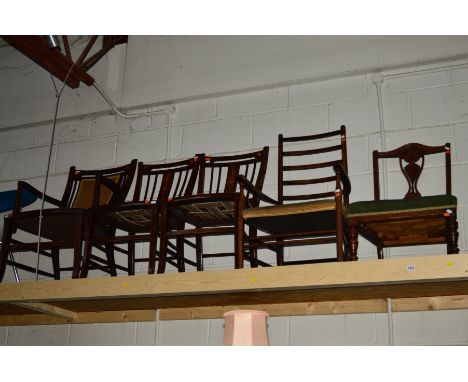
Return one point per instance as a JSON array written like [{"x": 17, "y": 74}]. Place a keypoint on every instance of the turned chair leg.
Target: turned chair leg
[
  {"x": 452, "y": 233},
  {"x": 353, "y": 242}
]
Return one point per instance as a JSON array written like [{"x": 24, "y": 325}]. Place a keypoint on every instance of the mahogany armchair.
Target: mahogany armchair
[
  {"x": 63, "y": 225},
  {"x": 214, "y": 210},
  {"x": 313, "y": 192},
  {"x": 413, "y": 220},
  {"x": 138, "y": 221}
]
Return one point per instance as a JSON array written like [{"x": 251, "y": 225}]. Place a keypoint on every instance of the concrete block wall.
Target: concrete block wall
[{"x": 424, "y": 106}]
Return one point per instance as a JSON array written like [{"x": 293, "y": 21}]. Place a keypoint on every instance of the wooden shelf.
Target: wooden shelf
[{"x": 413, "y": 283}]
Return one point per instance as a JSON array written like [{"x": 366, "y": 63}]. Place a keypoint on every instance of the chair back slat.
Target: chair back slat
[
  {"x": 411, "y": 160},
  {"x": 165, "y": 181},
  {"x": 91, "y": 188},
  {"x": 319, "y": 195},
  {"x": 312, "y": 152},
  {"x": 218, "y": 174},
  {"x": 305, "y": 165}
]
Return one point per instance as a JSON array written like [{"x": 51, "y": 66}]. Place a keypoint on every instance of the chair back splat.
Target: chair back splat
[
  {"x": 412, "y": 220},
  {"x": 313, "y": 192}
]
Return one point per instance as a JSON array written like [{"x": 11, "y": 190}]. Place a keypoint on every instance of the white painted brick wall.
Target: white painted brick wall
[
  {"x": 360, "y": 116},
  {"x": 86, "y": 154},
  {"x": 325, "y": 92},
  {"x": 439, "y": 106},
  {"x": 147, "y": 146},
  {"x": 27, "y": 163},
  {"x": 216, "y": 137},
  {"x": 427, "y": 108},
  {"x": 255, "y": 102},
  {"x": 300, "y": 121}
]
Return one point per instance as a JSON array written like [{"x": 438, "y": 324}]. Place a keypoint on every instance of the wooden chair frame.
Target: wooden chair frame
[
  {"x": 410, "y": 154},
  {"x": 64, "y": 224},
  {"x": 155, "y": 183},
  {"x": 215, "y": 191},
  {"x": 277, "y": 241}
]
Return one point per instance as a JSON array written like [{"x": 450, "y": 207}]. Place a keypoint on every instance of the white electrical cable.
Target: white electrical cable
[
  {"x": 39, "y": 231},
  {"x": 166, "y": 109},
  {"x": 378, "y": 79},
  {"x": 391, "y": 338},
  {"x": 156, "y": 329}
]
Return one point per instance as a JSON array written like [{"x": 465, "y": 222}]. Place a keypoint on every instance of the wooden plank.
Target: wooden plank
[
  {"x": 391, "y": 272},
  {"x": 274, "y": 310},
  {"x": 414, "y": 284},
  {"x": 47, "y": 309}
]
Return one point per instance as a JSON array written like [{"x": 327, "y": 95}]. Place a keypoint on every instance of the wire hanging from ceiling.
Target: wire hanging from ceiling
[{"x": 58, "y": 95}]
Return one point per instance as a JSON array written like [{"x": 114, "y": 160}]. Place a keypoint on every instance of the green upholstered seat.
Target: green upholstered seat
[{"x": 425, "y": 203}]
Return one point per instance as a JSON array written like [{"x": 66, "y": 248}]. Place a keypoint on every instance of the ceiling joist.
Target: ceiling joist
[{"x": 62, "y": 65}]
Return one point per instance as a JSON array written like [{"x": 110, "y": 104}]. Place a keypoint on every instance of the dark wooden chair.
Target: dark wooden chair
[
  {"x": 214, "y": 210},
  {"x": 63, "y": 225},
  {"x": 413, "y": 220},
  {"x": 313, "y": 192},
  {"x": 138, "y": 220}
]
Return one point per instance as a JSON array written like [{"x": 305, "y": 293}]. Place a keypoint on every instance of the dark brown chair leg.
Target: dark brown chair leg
[
  {"x": 253, "y": 253},
  {"x": 199, "y": 252},
  {"x": 452, "y": 233},
  {"x": 279, "y": 252},
  {"x": 6, "y": 238},
  {"x": 380, "y": 253},
  {"x": 111, "y": 260},
  {"x": 85, "y": 263},
  {"x": 239, "y": 233},
  {"x": 78, "y": 247},
  {"x": 180, "y": 254},
  {"x": 162, "y": 229},
  {"x": 131, "y": 258},
  {"x": 353, "y": 242},
  {"x": 56, "y": 263},
  {"x": 153, "y": 244}
]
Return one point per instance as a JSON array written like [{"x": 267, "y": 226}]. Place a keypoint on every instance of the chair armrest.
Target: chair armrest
[
  {"x": 247, "y": 185},
  {"x": 343, "y": 176},
  {"x": 22, "y": 185}
]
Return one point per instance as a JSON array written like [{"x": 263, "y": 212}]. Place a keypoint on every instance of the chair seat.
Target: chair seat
[
  {"x": 316, "y": 215},
  {"x": 57, "y": 224},
  {"x": 209, "y": 213},
  {"x": 390, "y": 206}
]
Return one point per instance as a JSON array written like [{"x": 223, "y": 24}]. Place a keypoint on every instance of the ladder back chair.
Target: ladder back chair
[
  {"x": 138, "y": 220},
  {"x": 313, "y": 192},
  {"x": 413, "y": 220},
  {"x": 214, "y": 210},
  {"x": 63, "y": 225}
]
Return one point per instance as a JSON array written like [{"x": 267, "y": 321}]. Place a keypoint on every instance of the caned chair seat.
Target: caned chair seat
[
  {"x": 207, "y": 213},
  {"x": 297, "y": 217},
  {"x": 390, "y": 206}
]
